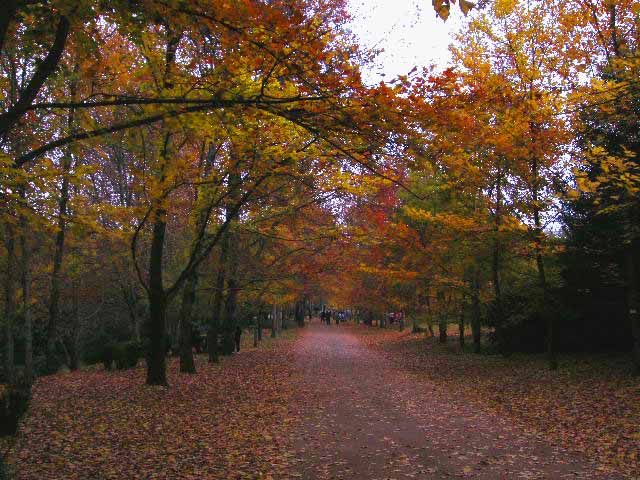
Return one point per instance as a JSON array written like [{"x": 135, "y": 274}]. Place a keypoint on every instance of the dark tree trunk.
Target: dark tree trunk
[
  {"x": 230, "y": 302},
  {"x": 551, "y": 352},
  {"x": 461, "y": 326},
  {"x": 25, "y": 245},
  {"x": 54, "y": 298},
  {"x": 218, "y": 296},
  {"x": 475, "y": 313},
  {"x": 495, "y": 270},
  {"x": 299, "y": 313},
  {"x": 442, "y": 320},
  {"x": 156, "y": 362},
  {"x": 442, "y": 329},
  {"x": 542, "y": 278},
  {"x": 75, "y": 353},
  {"x": 255, "y": 335},
  {"x": 187, "y": 364},
  {"x": 9, "y": 304},
  {"x": 274, "y": 324}
]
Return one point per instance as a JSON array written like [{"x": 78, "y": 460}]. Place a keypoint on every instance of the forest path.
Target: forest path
[{"x": 368, "y": 419}]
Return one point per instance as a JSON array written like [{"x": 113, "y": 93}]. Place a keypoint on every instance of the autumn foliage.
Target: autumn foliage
[{"x": 173, "y": 172}]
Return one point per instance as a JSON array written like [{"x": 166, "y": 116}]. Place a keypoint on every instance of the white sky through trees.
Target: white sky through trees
[{"x": 408, "y": 31}]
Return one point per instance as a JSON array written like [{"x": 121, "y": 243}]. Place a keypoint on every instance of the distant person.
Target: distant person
[{"x": 237, "y": 335}]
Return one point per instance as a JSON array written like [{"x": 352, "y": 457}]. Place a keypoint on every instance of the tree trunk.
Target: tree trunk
[
  {"x": 274, "y": 322},
  {"x": 54, "y": 298},
  {"x": 10, "y": 304},
  {"x": 187, "y": 364},
  {"x": 633, "y": 304},
  {"x": 475, "y": 312},
  {"x": 75, "y": 355},
  {"x": 156, "y": 362},
  {"x": 551, "y": 353},
  {"x": 442, "y": 318},
  {"x": 25, "y": 246},
  {"x": 255, "y": 335},
  {"x": 299, "y": 313},
  {"x": 495, "y": 269},
  {"x": 542, "y": 278},
  {"x": 461, "y": 327},
  {"x": 442, "y": 328},
  {"x": 214, "y": 325},
  {"x": 218, "y": 298},
  {"x": 231, "y": 298}
]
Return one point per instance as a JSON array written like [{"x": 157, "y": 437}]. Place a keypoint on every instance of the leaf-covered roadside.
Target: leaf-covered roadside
[
  {"x": 227, "y": 422},
  {"x": 592, "y": 404}
]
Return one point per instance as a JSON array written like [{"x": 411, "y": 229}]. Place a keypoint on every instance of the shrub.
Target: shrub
[
  {"x": 126, "y": 354},
  {"x": 94, "y": 341},
  {"x": 14, "y": 401}
]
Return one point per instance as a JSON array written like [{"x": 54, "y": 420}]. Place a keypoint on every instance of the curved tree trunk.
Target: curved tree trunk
[
  {"x": 156, "y": 362},
  {"x": 156, "y": 357}
]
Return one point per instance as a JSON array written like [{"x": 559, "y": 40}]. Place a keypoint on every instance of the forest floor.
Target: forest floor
[{"x": 343, "y": 402}]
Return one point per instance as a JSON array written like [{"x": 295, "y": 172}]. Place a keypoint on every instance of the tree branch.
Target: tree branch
[{"x": 44, "y": 70}]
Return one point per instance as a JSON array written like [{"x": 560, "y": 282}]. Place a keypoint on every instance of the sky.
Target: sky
[{"x": 407, "y": 30}]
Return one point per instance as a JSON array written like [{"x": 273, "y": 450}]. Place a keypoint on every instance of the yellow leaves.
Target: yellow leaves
[
  {"x": 418, "y": 214},
  {"x": 504, "y": 8},
  {"x": 620, "y": 172}
]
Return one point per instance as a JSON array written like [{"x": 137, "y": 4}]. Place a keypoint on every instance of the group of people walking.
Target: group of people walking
[{"x": 327, "y": 315}]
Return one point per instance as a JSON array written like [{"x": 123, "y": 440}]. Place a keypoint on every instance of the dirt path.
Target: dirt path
[{"x": 367, "y": 419}]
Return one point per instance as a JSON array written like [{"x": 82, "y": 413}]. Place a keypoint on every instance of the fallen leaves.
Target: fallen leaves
[
  {"x": 228, "y": 422},
  {"x": 592, "y": 405},
  {"x": 333, "y": 403}
]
